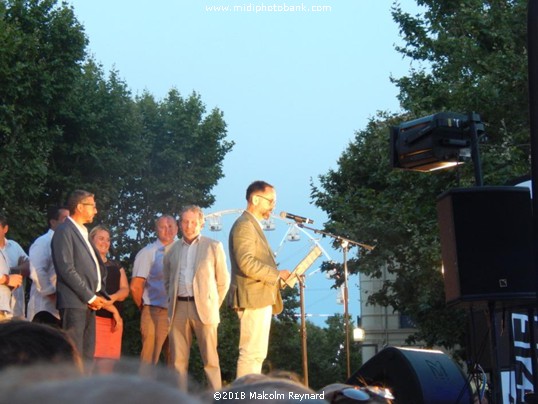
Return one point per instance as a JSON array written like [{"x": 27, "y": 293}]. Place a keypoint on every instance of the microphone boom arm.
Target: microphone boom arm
[{"x": 340, "y": 239}]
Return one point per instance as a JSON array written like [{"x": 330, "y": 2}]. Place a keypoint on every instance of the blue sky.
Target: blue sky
[{"x": 293, "y": 86}]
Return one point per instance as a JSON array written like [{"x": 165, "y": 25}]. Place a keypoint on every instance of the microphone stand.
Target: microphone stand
[
  {"x": 300, "y": 278},
  {"x": 344, "y": 244}
]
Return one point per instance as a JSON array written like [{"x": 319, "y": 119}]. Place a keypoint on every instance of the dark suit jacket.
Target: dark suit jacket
[
  {"x": 75, "y": 268},
  {"x": 255, "y": 277}
]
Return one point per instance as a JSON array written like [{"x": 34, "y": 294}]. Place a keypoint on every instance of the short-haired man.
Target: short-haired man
[
  {"x": 255, "y": 288},
  {"x": 42, "y": 302},
  {"x": 149, "y": 293},
  {"x": 80, "y": 283},
  {"x": 17, "y": 266},
  {"x": 197, "y": 279}
]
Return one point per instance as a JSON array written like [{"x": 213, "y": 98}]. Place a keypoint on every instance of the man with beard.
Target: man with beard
[{"x": 255, "y": 288}]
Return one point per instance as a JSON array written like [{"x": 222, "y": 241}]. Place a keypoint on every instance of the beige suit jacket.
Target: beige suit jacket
[
  {"x": 255, "y": 277},
  {"x": 211, "y": 278}
]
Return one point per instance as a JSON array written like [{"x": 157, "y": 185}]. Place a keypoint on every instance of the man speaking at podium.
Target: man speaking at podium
[{"x": 255, "y": 287}]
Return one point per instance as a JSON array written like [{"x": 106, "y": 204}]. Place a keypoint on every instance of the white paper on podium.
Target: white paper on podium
[{"x": 302, "y": 266}]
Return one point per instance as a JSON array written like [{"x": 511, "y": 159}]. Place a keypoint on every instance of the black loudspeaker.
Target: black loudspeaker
[
  {"x": 415, "y": 376},
  {"x": 486, "y": 244}
]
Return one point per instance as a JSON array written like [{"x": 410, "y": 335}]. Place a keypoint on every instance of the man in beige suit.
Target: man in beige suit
[
  {"x": 196, "y": 279},
  {"x": 255, "y": 292}
]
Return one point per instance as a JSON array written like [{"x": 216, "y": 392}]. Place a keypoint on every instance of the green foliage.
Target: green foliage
[
  {"x": 65, "y": 125},
  {"x": 41, "y": 48},
  {"x": 131, "y": 342},
  {"x": 327, "y": 358},
  {"x": 471, "y": 56},
  {"x": 228, "y": 343},
  {"x": 396, "y": 212},
  {"x": 284, "y": 347},
  {"x": 183, "y": 150}
]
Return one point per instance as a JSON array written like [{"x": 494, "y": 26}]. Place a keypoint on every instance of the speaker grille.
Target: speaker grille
[
  {"x": 415, "y": 376},
  {"x": 486, "y": 240}
]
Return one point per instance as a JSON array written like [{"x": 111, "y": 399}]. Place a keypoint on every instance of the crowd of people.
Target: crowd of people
[
  {"x": 74, "y": 313},
  {"x": 179, "y": 285}
]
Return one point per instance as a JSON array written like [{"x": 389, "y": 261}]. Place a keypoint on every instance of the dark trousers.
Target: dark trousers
[{"x": 79, "y": 324}]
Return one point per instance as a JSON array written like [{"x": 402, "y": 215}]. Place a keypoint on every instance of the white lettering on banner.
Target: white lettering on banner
[{"x": 522, "y": 355}]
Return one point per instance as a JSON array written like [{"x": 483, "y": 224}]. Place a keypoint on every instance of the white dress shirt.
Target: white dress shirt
[
  {"x": 186, "y": 268},
  {"x": 84, "y": 232},
  {"x": 43, "y": 278}
]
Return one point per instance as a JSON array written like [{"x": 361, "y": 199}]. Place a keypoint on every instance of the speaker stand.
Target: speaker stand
[
  {"x": 477, "y": 346},
  {"x": 495, "y": 368}
]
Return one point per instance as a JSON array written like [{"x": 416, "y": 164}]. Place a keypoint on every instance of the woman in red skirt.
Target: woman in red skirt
[{"x": 108, "y": 321}]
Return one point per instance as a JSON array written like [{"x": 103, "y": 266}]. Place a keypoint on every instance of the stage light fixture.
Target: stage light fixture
[{"x": 434, "y": 142}]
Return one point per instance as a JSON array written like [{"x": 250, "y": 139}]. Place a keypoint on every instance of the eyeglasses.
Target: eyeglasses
[
  {"x": 271, "y": 201},
  {"x": 89, "y": 204}
]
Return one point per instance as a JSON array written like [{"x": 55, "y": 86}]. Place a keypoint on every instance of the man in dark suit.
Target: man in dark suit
[{"x": 80, "y": 273}]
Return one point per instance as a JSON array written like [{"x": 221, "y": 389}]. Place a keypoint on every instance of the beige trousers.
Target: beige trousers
[
  {"x": 185, "y": 322},
  {"x": 154, "y": 330},
  {"x": 253, "y": 340}
]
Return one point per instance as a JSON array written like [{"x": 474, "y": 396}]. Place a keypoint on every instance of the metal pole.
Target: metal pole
[
  {"x": 303, "y": 330},
  {"x": 496, "y": 371},
  {"x": 475, "y": 152},
  {"x": 532, "y": 44},
  {"x": 346, "y": 311},
  {"x": 532, "y": 49}
]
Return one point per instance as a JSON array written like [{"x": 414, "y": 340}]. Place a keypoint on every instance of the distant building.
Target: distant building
[{"x": 382, "y": 326}]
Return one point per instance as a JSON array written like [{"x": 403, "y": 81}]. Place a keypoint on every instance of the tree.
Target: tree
[
  {"x": 141, "y": 157},
  {"x": 327, "y": 358},
  {"x": 65, "y": 125},
  {"x": 41, "y": 52},
  {"x": 396, "y": 212},
  {"x": 184, "y": 148},
  {"x": 472, "y": 57},
  {"x": 98, "y": 148}
]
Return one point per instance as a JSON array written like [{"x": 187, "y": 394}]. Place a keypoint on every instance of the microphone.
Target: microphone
[{"x": 298, "y": 219}]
